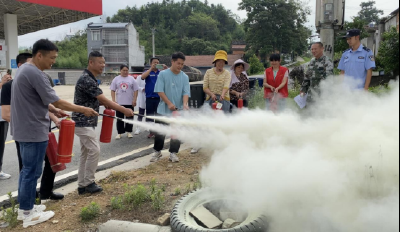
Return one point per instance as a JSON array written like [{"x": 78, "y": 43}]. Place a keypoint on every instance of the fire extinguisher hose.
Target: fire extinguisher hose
[{"x": 121, "y": 119}]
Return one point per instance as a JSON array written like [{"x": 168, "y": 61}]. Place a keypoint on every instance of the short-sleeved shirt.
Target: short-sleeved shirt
[
  {"x": 355, "y": 64},
  {"x": 124, "y": 87},
  {"x": 6, "y": 93},
  {"x": 86, "y": 92},
  {"x": 151, "y": 83},
  {"x": 31, "y": 94},
  {"x": 1, "y": 119},
  {"x": 216, "y": 83},
  {"x": 175, "y": 86},
  {"x": 5, "y": 99}
]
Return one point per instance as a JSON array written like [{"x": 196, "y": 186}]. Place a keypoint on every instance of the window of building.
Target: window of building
[{"x": 96, "y": 36}]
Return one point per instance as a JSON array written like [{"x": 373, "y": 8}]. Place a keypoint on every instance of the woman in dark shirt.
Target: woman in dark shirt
[{"x": 239, "y": 83}]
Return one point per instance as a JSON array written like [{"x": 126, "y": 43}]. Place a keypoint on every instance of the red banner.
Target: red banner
[{"x": 89, "y": 6}]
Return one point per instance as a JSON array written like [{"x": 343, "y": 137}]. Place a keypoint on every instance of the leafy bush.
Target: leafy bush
[
  {"x": 90, "y": 212},
  {"x": 157, "y": 200},
  {"x": 257, "y": 99},
  {"x": 389, "y": 52},
  {"x": 136, "y": 196},
  {"x": 117, "y": 203},
  {"x": 10, "y": 214},
  {"x": 256, "y": 66}
]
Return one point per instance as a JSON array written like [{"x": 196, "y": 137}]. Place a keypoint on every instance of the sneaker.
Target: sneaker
[
  {"x": 118, "y": 137},
  {"x": 34, "y": 218},
  {"x": 130, "y": 135},
  {"x": 4, "y": 176},
  {"x": 36, "y": 208},
  {"x": 93, "y": 188},
  {"x": 195, "y": 150},
  {"x": 137, "y": 132},
  {"x": 173, "y": 158},
  {"x": 156, "y": 156}
]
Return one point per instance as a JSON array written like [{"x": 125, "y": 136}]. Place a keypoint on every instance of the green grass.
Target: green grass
[
  {"x": 90, "y": 212},
  {"x": 10, "y": 214},
  {"x": 306, "y": 59}
]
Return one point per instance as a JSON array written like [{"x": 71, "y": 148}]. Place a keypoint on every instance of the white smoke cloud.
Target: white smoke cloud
[{"x": 336, "y": 170}]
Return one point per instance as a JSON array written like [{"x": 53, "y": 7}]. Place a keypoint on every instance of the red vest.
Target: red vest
[{"x": 269, "y": 73}]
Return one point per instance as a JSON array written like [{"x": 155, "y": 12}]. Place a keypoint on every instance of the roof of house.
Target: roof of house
[
  {"x": 207, "y": 61},
  {"x": 238, "y": 42},
  {"x": 107, "y": 25},
  {"x": 36, "y": 15},
  {"x": 394, "y": 13},
  {"x": 239, "y": 46}
]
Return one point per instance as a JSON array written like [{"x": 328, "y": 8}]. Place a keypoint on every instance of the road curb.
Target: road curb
[
  {"x": 124, "y": 226},
  {"x": 72, "y": 178}
]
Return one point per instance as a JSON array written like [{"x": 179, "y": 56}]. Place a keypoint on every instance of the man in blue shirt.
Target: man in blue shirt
[
  {"x": 174, "y": 90},
  {"x": 358, "y": 61},
  {"x": 152, "y": 98}
]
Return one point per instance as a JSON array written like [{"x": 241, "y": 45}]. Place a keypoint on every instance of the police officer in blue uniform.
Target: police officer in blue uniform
[{"x": 358, "y": 61}]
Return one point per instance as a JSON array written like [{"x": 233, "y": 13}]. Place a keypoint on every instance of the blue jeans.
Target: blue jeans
[
  {"x": 32, "y": 155},
  {"x": 226, "y": 106}
]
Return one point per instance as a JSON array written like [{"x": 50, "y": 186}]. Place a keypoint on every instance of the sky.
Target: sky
[{"x": 110, "y": 7}]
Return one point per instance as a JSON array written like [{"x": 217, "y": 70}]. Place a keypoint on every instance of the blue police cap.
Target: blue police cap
[{"x": 352, "y": 33}]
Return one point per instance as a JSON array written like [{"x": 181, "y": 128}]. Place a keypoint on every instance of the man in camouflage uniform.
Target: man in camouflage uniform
[{"x": 320, "y": 68}]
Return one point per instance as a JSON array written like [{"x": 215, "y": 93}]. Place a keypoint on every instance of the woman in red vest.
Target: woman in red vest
[{"x": 276, "y": 84}]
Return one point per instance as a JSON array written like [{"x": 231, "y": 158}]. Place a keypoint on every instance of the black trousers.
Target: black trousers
[
  {"x": 121, "y": 126},
  {"x": 245, "y": 103},
  {"x": 159, "y": 141},
  {"x": 48, "y": 176},
  {"x": 3, "y": 138},
  {"x": 141, "y": 112},
  {"x": 151, "y": 107}
]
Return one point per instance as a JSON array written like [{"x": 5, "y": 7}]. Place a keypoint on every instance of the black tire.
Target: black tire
[{"x": 181, "y": 221}]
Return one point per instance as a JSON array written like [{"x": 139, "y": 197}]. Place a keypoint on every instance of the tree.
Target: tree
[
  {"x": 341, "y": 44},
  {"x": 388, "y": 54},
  {"x": 275, "y": 25},
  {"x": 190, "y": 26},
  {"x": 73, "y": 52},
  {"x": 256, "y": 66},
  {"x": 369, "y": 13}
]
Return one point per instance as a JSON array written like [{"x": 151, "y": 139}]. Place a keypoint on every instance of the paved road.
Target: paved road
[{"x": 115, "y": 148}]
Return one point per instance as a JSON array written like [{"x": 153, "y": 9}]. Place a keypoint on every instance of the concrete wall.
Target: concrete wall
[
  {"x": 71, "y": 77},
  {"x": 136, "y": 52},
  {"x": 393, "y": 22}
]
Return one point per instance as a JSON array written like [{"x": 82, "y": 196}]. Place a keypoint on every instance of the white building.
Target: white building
[{"x": 119, "y": 44}]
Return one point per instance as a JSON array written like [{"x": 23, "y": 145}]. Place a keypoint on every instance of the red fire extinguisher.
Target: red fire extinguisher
[
  {"x": 66, "y": 140},
  {"x": 215, "y": 106},
  {"x": 107, "y": 126},
  {"x": 240, "y": 103},
  {"x": 51, "y": 153}
]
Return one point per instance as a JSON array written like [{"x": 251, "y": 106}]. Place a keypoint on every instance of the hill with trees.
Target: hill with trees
[{"x": 193, "y": 27}]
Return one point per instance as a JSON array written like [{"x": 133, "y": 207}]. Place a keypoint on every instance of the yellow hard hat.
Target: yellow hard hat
[{"x": 221, "y": 55}]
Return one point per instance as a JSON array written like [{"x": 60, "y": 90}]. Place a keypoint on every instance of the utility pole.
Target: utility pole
[
  {"x": 153, "y": 32},
  {"x": 329, "y": 19}
]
